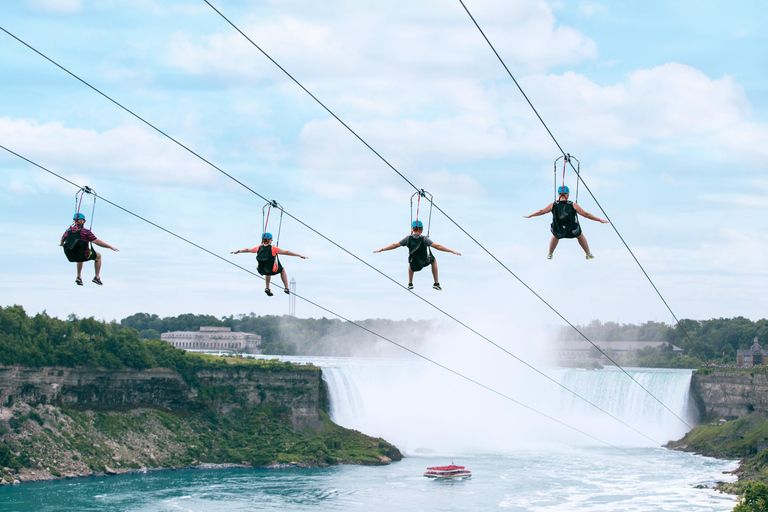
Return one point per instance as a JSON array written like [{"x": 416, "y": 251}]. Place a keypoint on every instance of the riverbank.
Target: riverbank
[
  {"x": 47, "y": 442},
  {"x": 733, "y": 404},
  {"x": 744, "y": 438}
]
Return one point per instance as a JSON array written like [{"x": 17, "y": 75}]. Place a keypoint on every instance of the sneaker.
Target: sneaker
[
  {"x": 549, "y": 256},
  {"x": 436, "y": 286},
  {"x": 410, "y": 286},
  {"x": 97, "y": 281},
  {"x": 79, "y": 281},
  {"x": 589, "y": 256}
]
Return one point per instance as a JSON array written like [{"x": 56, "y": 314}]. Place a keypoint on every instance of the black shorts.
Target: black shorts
[
  {"x": 416, "y": 268},
  {"x": 93, "y": 257},
  {"x": 271, "y": 272}
]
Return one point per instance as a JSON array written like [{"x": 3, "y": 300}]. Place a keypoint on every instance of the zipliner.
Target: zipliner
[
  {"x": 268, "y": 262},
  {"x": 77, "y": 241},
  {"x": 565, "y": 223},
  {"x": 419, "y": 255}
]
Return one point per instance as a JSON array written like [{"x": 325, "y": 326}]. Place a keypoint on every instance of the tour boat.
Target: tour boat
[{"x": 451, "y": 472}]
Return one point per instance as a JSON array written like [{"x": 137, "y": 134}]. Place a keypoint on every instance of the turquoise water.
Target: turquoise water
[{"x": 565, "y": 479}]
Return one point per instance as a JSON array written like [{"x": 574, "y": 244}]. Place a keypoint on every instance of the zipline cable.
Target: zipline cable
[
  {"x": 417, "y": 354},
  {"x": 579, "y": 178},
  {"x": 360, "y": 259},
  {"x": 440, "y": 210}
]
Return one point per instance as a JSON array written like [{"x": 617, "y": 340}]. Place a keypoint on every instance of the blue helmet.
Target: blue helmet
[
  {"x": 417, "y": 224},
  {"x": 563, "y": 190},
  {"x": 266, "y": 236},
  {"x": 78, "y": 216}
]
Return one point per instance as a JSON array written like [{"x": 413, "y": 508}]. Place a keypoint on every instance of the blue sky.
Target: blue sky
[{"x": 665, "y": 104}]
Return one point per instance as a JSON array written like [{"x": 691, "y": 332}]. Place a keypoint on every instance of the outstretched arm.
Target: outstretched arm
[
  {"x": 588, "y": 215},
  {"x": 105, "y": 245},
  {"x": 444, "y": 249},
  {"x": 544, "y": 210},
  {"x": 242, "y": 250},
  {"x": 388, "y": 248},
  {"x": 289, "y": 253}
]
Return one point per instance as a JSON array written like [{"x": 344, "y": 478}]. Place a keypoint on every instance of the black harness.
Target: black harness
[
  {"x": 75, "y": 249},
  {"x": 565, "y": 220},
  {"x": 266, "y": 261},
  {"x": 419, "y": 254}
]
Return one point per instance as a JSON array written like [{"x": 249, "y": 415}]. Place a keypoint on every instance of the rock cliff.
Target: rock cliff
[
  {"x": 59, "y": 421},
  {"x": 746, "y": 393},
  {"x": 299, "y": 390}
]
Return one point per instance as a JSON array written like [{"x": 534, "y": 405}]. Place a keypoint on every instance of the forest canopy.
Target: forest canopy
[{"x": 714, "y": 341}]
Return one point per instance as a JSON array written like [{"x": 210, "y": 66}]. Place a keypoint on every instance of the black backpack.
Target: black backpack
[
  {"x": 75, "y": 248},
  {"x": 266, "y": 261},
  {"x": 419, "y": 255},
  {"x": 565, "y": 220}
]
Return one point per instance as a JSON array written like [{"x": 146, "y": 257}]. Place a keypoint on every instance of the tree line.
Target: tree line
[
  {"x": 288, "y": 335},
  {"x": 711, "y": 341},
  {"x": 41, "y": 340}
]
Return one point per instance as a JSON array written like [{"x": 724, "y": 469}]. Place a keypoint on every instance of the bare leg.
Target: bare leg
[
  {"x": 410, "y": 274},
  {"x": 553, "y": 244},
  {"x": 97, "y": 264},
  {"x": 583, "y": 243},
  {"x": 266, "y": 281},
  {"x": 284, "y": 277},
  {"x": 79, "y": 268},
  {"x": 434, "y": 270}
]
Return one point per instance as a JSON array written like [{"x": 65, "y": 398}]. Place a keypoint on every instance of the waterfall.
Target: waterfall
[{"x": 422, "y": 408}]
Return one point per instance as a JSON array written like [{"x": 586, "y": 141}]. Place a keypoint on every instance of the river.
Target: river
[{"x": 520, "y": 460}]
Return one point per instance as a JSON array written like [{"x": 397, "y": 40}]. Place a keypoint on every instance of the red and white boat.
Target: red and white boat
[{"x": 451, "y": 472}]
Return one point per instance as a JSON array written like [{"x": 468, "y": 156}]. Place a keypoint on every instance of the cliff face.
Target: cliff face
[
  {"x": 63, "y": 422},
  {"x": 300, "y": 390},
  {"x": 746, "y": 393}
]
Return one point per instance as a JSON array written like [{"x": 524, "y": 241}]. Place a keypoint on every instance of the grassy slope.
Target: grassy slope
[
  {"x": 46, "y": 441},
  {"x": 736, "y": 439}
]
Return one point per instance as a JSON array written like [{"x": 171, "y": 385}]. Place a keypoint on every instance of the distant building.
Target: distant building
[
  {"x": 571, "y": 352},
  {"x": 752, "y": 356},
  {"x": 214, "y": 338}
]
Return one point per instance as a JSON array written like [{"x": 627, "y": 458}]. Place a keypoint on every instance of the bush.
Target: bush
[{"x": 755, "y": 499}]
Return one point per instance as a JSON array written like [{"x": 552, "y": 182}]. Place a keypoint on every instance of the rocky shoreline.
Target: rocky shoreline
[{"x": 744, "y": 439}]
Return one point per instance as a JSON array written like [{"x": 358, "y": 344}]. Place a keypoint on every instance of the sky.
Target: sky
[{"x": 665, "y": 105}]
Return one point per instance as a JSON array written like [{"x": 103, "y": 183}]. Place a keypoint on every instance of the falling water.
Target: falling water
[{"x": 424, "y": 409}]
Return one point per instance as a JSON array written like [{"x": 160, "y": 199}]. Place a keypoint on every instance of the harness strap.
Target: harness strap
[{"x": 265, "y": 222}]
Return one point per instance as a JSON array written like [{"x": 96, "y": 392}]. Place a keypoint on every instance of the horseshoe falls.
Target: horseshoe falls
[{"x": 424, "y": 409}]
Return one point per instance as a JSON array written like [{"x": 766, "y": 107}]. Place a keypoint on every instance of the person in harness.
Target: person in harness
[
  {"x": 419, "y": 253},
  {"x": 268, "y": 262},
  {"x": 77, "y": 242},
  {"x": 565, "y": 221}
]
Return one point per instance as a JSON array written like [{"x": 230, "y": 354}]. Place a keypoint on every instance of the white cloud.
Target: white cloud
[
  {"x": 590, "y": 9},
  {"x": 673, "y": 108},
  {"x": 154, "y": 7},
  {"x": 337, "y": 165},
  {"x": 17, "y": 187},
  {"x": 122, "y": 151},
  {"x": 420, "y": 40},
  {"x": 55, "y": 6}
]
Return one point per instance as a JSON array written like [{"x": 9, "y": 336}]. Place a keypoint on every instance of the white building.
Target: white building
[{"x": 214, "y": 338}]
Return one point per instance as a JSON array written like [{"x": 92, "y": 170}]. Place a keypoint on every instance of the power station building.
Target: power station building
[{"x": 214, "y": 339}]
